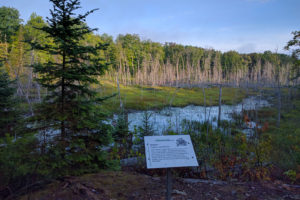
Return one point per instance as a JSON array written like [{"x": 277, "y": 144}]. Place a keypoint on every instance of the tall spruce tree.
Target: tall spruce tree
[
  {"x": 70, "y": 106},
  {"x": 8, "y": 112}
]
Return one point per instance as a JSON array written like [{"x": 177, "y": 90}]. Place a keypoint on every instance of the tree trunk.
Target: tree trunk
[
  {"x": 278, "y": 105},
  {"x": 204, "y": 99},
  {"x": 62, "y": 128},
  {"x": 121, "y": 104},
  {"x": 220, "y": 104}
]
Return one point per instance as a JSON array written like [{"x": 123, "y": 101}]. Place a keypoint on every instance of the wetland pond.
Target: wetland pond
[{"x": 171, "y": 118}]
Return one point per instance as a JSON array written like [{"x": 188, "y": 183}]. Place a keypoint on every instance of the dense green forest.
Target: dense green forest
[{"x": 52, "y": 122}]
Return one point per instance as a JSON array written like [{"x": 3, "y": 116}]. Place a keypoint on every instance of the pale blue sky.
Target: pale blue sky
[{"x": 241, "y": 25}]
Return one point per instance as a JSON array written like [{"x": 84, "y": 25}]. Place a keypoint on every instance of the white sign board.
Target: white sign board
[{"x": 169, "y": 151}]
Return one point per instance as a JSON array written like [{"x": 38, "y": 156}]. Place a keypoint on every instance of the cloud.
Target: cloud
[{"x": 247, "y": 48}]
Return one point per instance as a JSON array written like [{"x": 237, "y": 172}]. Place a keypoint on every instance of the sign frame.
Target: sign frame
[{"x": 169, "y": 151}]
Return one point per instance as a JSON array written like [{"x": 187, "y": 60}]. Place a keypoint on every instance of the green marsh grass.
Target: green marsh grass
[{"x": 157, "y": 97}]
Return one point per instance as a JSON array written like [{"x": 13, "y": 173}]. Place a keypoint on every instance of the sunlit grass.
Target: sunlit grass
[{"x": 157, "y": 97}]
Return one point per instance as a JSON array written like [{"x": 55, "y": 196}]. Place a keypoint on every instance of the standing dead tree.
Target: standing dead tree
[{"x": 220, "y": 104}]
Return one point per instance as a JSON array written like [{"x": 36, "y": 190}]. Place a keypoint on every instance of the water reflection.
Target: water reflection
[{"x": 170, "y": 118}]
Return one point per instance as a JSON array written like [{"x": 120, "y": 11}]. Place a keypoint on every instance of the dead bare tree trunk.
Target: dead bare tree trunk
[
  {"x": 208, "y": 121},
  {"x": 119, "y": 93},
  {"x": 28, "y": 91},
  {"x": 278, "y": 104},
  {"x": 220, "y": 104},
  {"x": 289, "y": 97},
  {"x": 278, "y": 90},
  {"x": 38, "y": 89},
  {"x": 177, "y": 71},
  {"x": 29, "y": 84},
  {"x": 204, "y": 99}
]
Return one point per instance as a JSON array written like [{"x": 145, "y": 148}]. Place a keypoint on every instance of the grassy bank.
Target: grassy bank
[{"x": 147, "y": 97}]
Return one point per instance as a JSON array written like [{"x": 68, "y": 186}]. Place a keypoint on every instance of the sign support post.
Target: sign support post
[
  {"x": 169, "y": 184},
  {"x": 167, "y": 152}
]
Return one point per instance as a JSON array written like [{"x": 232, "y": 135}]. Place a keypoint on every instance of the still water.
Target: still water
[{"x": 170, "y": 118}]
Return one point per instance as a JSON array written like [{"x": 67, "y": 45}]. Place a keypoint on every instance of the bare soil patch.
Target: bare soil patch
[{"x": 135, "y": 186}]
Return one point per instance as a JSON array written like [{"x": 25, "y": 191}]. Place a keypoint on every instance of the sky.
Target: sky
[{"x": 242, "y": 25}]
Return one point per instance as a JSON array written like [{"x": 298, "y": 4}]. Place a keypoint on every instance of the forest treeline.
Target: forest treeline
[
  {"x": 133, "y": 61},
  {"x": 137, "y": 61}
]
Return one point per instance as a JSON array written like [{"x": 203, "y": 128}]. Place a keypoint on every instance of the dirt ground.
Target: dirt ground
[{"x": 133, "y": 186}]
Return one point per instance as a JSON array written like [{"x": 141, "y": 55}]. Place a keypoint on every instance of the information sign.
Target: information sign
[{"x": 169, "y": 151}]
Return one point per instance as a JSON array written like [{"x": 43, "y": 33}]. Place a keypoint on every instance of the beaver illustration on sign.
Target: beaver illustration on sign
[{"x": 181, "y": 142}]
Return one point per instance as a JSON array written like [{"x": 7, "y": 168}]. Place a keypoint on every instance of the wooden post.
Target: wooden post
[{"x": 169, "y": 184}]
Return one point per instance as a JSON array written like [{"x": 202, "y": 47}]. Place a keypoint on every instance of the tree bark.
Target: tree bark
[
  {"x": 204, "y": 99},
  {"x": 220, "y": 104},
  {"x": 278, "y": 105},
  {"x": 62, "y": 128}
]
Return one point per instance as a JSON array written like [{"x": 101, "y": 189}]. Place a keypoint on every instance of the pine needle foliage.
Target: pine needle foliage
[
  {"x": 8, "y": 114},
  {"x": 71, "y": 106}
]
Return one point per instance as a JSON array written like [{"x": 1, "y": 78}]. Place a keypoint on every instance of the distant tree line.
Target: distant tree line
[{"x": 135, "y": 61}]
